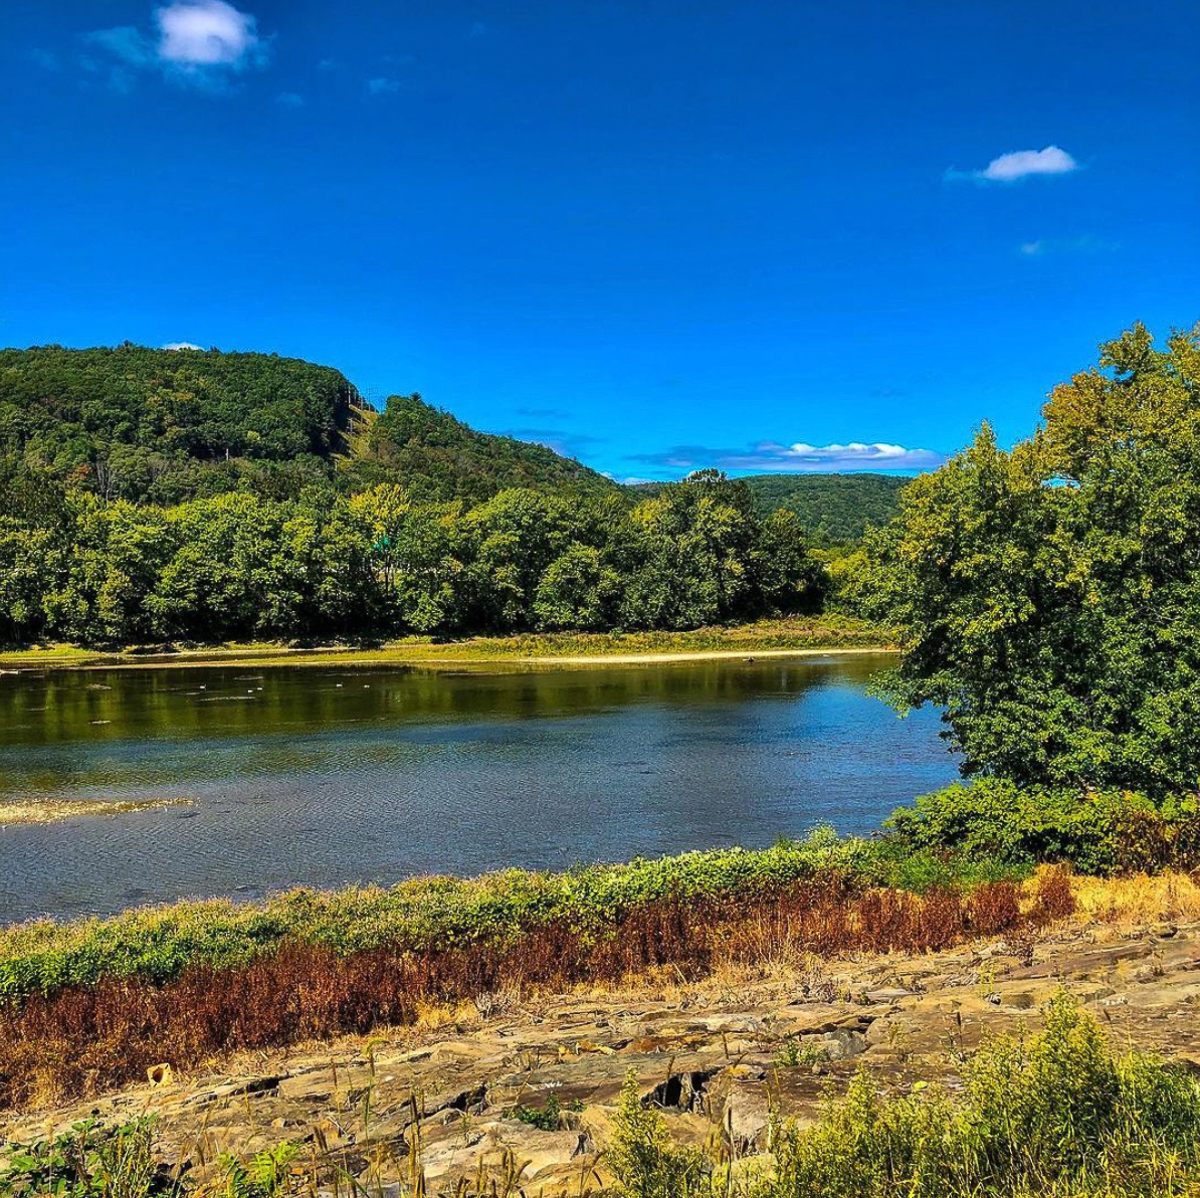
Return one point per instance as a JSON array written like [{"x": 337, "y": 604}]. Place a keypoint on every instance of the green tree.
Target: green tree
[
  {"x": 577, "y": 591},
  {"x": 1049, "y": 597}
]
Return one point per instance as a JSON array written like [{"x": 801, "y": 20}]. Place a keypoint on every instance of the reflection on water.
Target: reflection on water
[{"x": 327, "y": 775}]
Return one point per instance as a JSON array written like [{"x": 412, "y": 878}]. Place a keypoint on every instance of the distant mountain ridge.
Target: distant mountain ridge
[
  {"x": 163, "y": 426},
  {"x": 833, "y": 507}
]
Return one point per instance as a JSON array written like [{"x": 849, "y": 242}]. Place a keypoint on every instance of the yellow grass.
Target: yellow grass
[
  {"x": 776, "y": 637},
  {"x": 1136, "y": 899}
]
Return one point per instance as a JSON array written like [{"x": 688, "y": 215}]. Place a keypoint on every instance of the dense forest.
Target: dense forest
[
  {"x": 831, "y": 507},
  {"x": 152, "y": 495},
  {"x": 164, "y": 426},
  {"x": 834, "y": 509}
]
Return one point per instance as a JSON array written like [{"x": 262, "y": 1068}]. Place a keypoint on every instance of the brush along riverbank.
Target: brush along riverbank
[
  {"x": 88, "y": 1005},
  {"x": 795, "y": 635}
]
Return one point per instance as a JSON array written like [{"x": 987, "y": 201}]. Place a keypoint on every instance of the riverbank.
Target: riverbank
[
  {"x": 528, "y": 1080},
  {"x": 793, "y": 636},
  {"x": 194, "y": 981}
]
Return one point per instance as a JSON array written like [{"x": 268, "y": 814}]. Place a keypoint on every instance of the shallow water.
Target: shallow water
[{"x": 323, "y": 776}]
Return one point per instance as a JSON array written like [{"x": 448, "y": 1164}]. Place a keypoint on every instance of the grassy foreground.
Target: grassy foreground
[
  {"x": 792, "y": 634},
  {"x": 1058, "y": 1116}
]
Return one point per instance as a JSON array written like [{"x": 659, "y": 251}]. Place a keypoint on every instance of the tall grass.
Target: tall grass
[
  {"x": 1057, "y": 1115},
  {"x": 83, "y": 1038},
  {"x": 158, "y": 944}
]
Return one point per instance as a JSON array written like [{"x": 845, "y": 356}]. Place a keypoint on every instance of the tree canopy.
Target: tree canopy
[
  {"x": 163, "y": 426},
  {"x": 385, "y": 562},
  {"x": 831, "y": 507},
  {"x": 1049, "y": 596}
]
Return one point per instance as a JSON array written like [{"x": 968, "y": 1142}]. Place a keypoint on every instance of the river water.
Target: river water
[{"x": 327, "y": 775}]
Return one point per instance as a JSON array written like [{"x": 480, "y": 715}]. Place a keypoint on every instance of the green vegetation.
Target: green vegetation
[
  {"x": 1099, "y": 832},
  {"x": 90, "y": 1161},
  {"x": 161, "y": 426},
  {"x": 830, "y": 507},
  {"x": 240, "y": 567},
  {"x": 1060, "y": 1115},
  {"x": 160, "y": 496},
  {"x": 1049, "y": 597},
  {"x": 789, "y": 634},
  {"x": 545, "y": 1118},
  {"x": 440, "y": 458},
  {"x": 158, "y": 944}
]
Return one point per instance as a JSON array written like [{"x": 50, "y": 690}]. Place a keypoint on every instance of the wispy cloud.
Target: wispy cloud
[
  {"x": 180, "y": 345},
  {"x": 1066, "y": 245},
  {"x": 382, "y": 86},
  {"x": 198, "y": 41},
  {"x": 289, "y": 100},
  {"x": 798, "y": 458},
  {"x": 1020, "y": 164}
]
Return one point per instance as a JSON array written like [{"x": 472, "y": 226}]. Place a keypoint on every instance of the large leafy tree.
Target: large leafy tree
[{"x": 1049, "y": 597}]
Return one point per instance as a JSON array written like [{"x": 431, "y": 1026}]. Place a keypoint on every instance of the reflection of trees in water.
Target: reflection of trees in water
[{"x": 110, "y": 704}]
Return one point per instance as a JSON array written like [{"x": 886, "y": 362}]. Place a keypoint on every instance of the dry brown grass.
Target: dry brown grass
[
  {"x": 85, "y": 1040},
  {"x": 1137, "y": 899}
]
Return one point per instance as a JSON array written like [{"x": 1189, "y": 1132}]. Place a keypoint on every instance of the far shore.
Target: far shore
[{"x": 765, "y": 639}]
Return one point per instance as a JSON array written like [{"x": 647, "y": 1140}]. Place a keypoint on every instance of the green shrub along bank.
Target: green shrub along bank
[
  {"x": 158, "y": 944},
  {"x": 1097, "y": 832},
  {"x": 1058, "y": 1115}
]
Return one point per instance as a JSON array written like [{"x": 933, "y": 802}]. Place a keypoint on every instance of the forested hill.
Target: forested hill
[
  {"x": 412, "y": 440},
  {"x": 831, "y": 507},
  {"x": 163, "y": 426}
]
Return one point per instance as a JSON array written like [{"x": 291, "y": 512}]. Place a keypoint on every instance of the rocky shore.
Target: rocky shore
[{"x": 525, "y": 1086}]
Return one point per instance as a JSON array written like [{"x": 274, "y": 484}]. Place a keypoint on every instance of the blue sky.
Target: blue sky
[{"x": 657, "y": 235}]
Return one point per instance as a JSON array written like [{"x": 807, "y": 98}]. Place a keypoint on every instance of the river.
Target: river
[{"x": 328, "y": 775}]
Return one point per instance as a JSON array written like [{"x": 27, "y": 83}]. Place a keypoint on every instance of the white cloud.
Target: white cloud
[
  {"x": 1020, "y": 164},
  {"x": 198, "y": 41},
  {"x": 382, "y": 87},
  {"x": 206, "y": 33},
  {"x": 180, "y": 345},
  {"x": 798, "y": 458}
]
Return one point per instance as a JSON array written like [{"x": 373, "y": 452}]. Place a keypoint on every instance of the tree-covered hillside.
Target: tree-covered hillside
[
  {"x": 153, "y": 495},
  {"x": 432, "y": 452},
  {"x": 831, "y": 507},
  {"x": 163, "y": 426}
]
